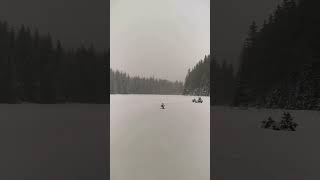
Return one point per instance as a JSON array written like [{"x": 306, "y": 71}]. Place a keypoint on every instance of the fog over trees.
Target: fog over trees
[
  {"x": 220, "y": 83},
  {"x": 122, "y": 83}
]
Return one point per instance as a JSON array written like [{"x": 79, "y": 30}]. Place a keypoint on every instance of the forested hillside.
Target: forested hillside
[
  {"x": 219, "y": 84},
  {"x": 197, "y": 81},
  {"x": 35, "y": 69},
  {"x": 280, "y": 60},
  {"x": 122, "y": 83}
]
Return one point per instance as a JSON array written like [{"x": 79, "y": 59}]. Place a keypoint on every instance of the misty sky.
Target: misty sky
[
  {"x": 71, "y": 21},
  {"x": 160, "y": 38},
  {"x": 231, "y": 20}
]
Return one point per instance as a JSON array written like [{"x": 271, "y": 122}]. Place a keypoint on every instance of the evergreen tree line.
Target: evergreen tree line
[
  {"x": 34, "y": 69},
  {"x": 280, "y": 61},
  {"x": 221, "y": 80},
  {"x": 197, "y": 81},
  {"x": 122, "y": 83},
  {"x": 222, "y": 83}
]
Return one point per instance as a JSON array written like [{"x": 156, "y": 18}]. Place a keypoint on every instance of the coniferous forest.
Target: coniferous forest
[
  {"x": 222, "y": 83},
  {"x": 280, "y": 61},
  {"x": 197, "y": 80},
  {"x": 122, "y": 83},
  {"x": 35, "y": 69},
  {"x": 221, "y": 80}
]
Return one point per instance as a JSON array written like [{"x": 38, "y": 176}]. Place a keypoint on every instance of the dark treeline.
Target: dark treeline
[
  {"x": 197, "y": 81},
  {"x": 280, "y": 62},
  {"x": 34, "y": 69},
  {"x": 122, "y": 83},
  {"x": 222, "y": 83},
  {"x": 221, "y": 80}
]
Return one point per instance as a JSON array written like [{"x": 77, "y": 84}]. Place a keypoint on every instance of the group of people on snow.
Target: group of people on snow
[{"x": 197, "y": 101}]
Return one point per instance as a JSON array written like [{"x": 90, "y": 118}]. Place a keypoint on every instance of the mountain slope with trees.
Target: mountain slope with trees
[
  {"x": 35, "y": 69},
  {"x": 197, "y": 81},
  {"x": 280, "y": 61}
]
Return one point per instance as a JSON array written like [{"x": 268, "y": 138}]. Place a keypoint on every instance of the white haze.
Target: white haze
[{"x": 159, "y": 38}]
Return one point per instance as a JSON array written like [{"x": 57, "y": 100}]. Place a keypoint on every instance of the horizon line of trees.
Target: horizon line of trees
[
  {"x": 280, "y": 60},
  {"x": 122, "y": 83},
  {"x": 34, "y": 69}
]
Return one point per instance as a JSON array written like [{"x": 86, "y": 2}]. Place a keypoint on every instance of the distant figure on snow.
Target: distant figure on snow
[
  {"x": 200, "y": 100},
  {"x": 162, "y": 106}
]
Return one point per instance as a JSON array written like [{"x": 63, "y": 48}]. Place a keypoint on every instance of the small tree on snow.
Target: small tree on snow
[
  {"x": 287, "y": 122},
  {"x": 267, "y": 123}
]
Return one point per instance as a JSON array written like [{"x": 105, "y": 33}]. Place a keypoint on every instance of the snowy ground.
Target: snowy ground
[
  {"x": 68, "y": 142},
  {"x": 65, "y": 142},
  {"x": 244, "y": 151},
  {"x": 148, "y": 143}
]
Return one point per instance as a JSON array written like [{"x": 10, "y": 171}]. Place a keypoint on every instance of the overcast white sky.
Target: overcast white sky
[{"x": 160, "y": 38}]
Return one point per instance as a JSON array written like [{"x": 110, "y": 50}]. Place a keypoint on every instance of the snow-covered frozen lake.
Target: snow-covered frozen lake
[
  {"x": 242, "y": 150},
  {"x": 150, "y": 143}
]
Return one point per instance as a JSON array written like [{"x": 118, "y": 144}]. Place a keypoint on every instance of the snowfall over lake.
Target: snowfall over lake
[
  {"x": 159, "y": 144},
  {"x": 242, "y": 150}
]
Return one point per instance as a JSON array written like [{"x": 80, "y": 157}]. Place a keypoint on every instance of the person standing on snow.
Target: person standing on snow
[{"x": 162, "y": 106}]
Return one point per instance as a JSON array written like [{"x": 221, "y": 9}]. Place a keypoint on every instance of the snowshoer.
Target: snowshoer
[
  {"x": 200, "y": 100},
  {"x": 162, "y": 106}
]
